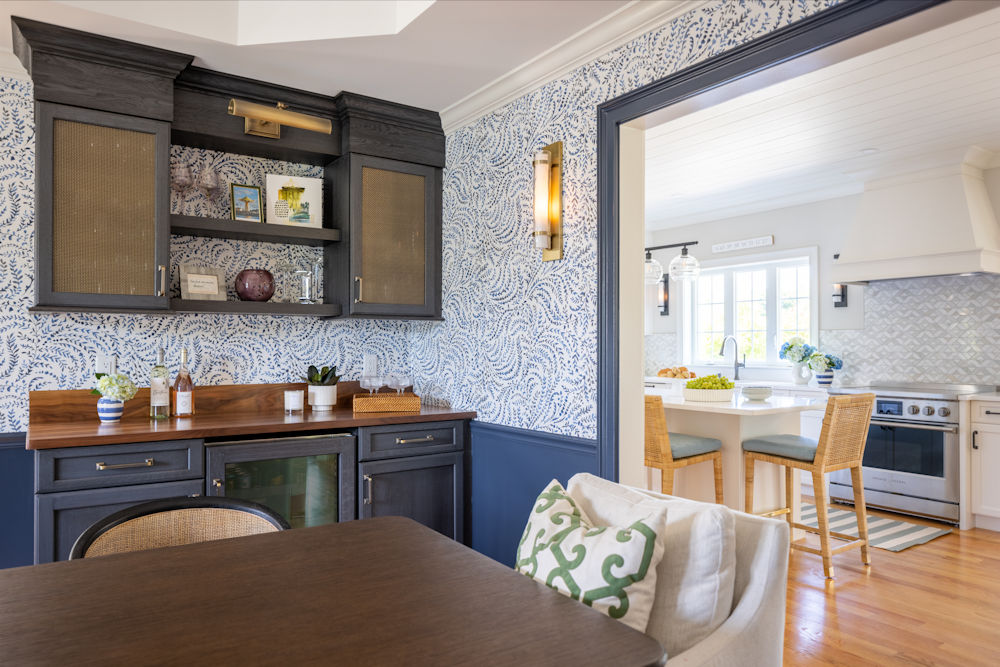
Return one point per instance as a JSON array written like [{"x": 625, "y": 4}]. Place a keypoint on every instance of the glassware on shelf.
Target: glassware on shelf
[
  {"x": 399, "y": 382},
  {"x": 307, "y": 288},
  {"x": 371, "y": 383},
  {"x": 208, "y": 182},
  {"x": 180, "y": 177}
]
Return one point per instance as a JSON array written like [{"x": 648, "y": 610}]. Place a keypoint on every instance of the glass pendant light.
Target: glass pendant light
[
  {"x": 653, "y": 270},
  {"x": 683, "y": 267}
]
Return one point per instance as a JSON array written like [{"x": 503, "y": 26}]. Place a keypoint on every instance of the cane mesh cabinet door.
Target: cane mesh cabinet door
[
  {"x": 395, "y": 226},
  {"x": 102, "y": 200}
]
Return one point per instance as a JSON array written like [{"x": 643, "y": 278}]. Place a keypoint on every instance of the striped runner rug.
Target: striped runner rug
[{"x": 888, "y": 534}]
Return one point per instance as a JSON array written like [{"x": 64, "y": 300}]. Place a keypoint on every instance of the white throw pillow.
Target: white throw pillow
[
  {"x": 610, "y": 568},
  {"x": 695, "y": 579}
]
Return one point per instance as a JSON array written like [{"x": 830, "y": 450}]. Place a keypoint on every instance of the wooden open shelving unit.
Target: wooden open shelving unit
[{"x": 252, "y": 231}]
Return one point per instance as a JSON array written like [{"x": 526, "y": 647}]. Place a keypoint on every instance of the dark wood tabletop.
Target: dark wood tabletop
[{"x": 384, "y": 591}]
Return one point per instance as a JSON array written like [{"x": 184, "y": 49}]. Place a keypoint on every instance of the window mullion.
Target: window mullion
[
  {"x": 730, "y": 284},
  {"x": 772, "y": 314}
]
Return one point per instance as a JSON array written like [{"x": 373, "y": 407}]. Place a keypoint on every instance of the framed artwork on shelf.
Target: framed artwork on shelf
[
  {"x": 244, "y": 203},
  {"x": 203, "y": 283},
  {"x": 294, "y": 200}
]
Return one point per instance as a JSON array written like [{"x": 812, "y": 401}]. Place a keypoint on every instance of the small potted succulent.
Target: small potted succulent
[
  {"x": 114, "y": 389},
  {"x": 322, "y": 387},
  {"x": 823, "y": 365}
]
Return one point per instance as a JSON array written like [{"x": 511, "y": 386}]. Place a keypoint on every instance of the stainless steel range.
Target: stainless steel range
[{"x": 911, "y": 459}]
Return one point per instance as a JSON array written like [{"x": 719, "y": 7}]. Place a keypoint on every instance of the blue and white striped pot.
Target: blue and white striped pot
[
  {"x": 824, "y": 379},
  {"x": 109, "y": 409}
]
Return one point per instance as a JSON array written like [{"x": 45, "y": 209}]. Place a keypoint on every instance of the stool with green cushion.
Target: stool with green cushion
[
  {"x": 670, "y": 451},
  {"x": 841, "y": 445}
]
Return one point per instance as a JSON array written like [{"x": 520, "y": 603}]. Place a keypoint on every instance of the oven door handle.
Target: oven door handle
[{"x": 919, "y": 427}]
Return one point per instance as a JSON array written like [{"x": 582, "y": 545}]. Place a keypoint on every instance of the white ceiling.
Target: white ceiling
[
  {"x": 446, "y": 52},
  {"x": 916, "y": 104}
]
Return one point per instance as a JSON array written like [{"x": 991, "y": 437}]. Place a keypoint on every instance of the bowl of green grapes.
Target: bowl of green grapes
[{"x": 709, "y": 388}]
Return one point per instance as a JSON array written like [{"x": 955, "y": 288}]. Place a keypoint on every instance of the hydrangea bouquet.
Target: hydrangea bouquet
[
  {"x": 116, "y": 386},
  {"x": 796, "y": 350},
  {"x": 822, "y": 363}
]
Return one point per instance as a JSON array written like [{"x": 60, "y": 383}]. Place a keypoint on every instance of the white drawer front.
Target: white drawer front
[{"x": 985, "y": 412}]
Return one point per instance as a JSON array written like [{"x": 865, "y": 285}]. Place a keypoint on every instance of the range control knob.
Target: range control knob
[
  {"x": 928, "y": 411},
  {"x": 914, "y": 410},
  {"x": 944, "y": 412}
]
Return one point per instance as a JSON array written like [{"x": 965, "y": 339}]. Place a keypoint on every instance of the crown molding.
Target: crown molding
[
  {"x": 614, "y": 30},
  {"x": 11, "y": 67}
]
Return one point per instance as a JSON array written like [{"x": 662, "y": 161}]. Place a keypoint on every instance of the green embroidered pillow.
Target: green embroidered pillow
[{"x": 610, "y": 568}]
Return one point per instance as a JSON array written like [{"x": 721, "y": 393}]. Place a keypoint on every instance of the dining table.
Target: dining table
[{"x": 383, "y": 591}]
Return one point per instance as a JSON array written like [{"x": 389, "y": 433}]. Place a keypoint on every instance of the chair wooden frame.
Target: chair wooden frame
[
  {"x": 841, "y": 445},
  {"x": 659, "y": 455}
]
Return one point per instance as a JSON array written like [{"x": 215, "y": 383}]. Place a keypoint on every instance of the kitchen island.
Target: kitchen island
[{"x": 732, "y": 422}]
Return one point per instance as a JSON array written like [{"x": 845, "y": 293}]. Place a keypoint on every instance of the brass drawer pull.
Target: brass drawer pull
[
  {"x": 369, "y": 482},
  {"x": 408, "y": 441},
  {"x": 163, "y": 280},
  {"x": 990, "y": 412},
  {"x": 119, "y": 466},
  {"x": 361, "y": 287},
  {"x": 217, "y": 483}
]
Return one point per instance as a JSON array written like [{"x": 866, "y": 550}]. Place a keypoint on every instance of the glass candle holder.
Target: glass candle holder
[{"x": 294, "y": 401}]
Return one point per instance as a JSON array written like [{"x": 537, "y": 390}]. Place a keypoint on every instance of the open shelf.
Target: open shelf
[
  {"x": 252, "y": 231},
  {"x": 260, "y": 307}
]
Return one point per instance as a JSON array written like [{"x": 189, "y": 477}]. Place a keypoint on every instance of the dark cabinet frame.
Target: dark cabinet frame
[{"x": 46, "y": 113}]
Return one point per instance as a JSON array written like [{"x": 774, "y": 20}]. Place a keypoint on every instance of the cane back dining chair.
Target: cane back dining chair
[
  {"x": 173, "y": 522},
  {"x": 841, "y": 445},
  {"x": 670, "y": 451}
]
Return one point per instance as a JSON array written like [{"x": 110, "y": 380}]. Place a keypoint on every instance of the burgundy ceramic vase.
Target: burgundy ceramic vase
[{"x": 255, "y": 285}]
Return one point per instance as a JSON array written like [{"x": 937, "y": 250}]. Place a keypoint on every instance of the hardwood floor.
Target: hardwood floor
[{"x": 933, "y": 604}]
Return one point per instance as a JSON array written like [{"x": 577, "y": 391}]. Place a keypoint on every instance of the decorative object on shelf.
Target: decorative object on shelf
[
  {"x": 264, "y": 121},
  {"x": 839, "y": 295},
  {"x": 404, "y": 402},
  {"x": 709, "y": 388},
  {"x": 201, "y": 282},
  {"x": 664, "y": 300},
  {"x": 823, "y": 365},
  {"x": 114, "y": 389},
  {"x": 208, "y": 182},
  {"x": 683, "y": 267},
  {"x": 244, "y": 203},
  {"x": 294, "y": 401},
  {"x": 255, "y": 284},
  {"x": 547, "y": 201},
  {"x": 180, "y": 177},
  {"x": 294, "y": 200},
  {"x": 322, "y": 387},
  {"x": 798, "y": 351},
  {"x": 399, "y": 382},
  {"x": 308, "y": 283}
]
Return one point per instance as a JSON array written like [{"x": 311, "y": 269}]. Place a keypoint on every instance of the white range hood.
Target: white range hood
[{"x": 929, "y": 223}]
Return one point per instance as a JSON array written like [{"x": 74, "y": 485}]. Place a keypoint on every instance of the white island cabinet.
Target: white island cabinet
[{"x": 733, "y": 422}]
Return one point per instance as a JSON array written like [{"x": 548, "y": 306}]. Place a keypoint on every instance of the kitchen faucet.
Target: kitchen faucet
[{"x": 737, "y": 364}]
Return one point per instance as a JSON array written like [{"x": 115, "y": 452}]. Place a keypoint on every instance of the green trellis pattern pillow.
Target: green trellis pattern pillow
[{"x": 612, "y": 569}]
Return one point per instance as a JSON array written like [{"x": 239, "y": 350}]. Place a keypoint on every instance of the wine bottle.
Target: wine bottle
[
  {"x": 159, "y": 389},
  {"x": 183, "y": 389}
]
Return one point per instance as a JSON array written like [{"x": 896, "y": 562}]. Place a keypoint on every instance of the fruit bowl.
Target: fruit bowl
[
  {"x": 708, "y": 395},
  {"x": 757, "y": 393}
]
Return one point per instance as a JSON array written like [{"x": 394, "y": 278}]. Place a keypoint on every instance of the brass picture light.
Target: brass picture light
[{"x": 265, "y": 121}]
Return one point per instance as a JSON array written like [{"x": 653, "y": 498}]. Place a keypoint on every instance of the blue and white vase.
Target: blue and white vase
[
  {"x": 824, "y": 379},
  {"x": 109, "y": 410}
]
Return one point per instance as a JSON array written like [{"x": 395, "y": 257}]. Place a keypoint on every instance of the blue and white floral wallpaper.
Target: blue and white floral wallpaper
[{"x": 519, "y": 340}]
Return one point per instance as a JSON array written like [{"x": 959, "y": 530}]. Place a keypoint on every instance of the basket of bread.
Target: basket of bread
[{"x": 679, "y": 372}]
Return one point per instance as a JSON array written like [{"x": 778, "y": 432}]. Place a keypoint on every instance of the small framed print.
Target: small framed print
[
  {"x": 203, "y": 283},
  {"x": 294, "y": 200},
  {"x": 244, "y": 203}
]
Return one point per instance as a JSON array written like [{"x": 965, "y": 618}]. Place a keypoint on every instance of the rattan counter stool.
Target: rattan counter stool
[
  {"x": 670, "y": 451},
  {"x": 841, "y": 445}
]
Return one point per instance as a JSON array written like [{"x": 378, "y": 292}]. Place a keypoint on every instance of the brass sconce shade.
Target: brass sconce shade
[
  {"x": 264, "y": 121},
  {"x": 547, "y": 202}
]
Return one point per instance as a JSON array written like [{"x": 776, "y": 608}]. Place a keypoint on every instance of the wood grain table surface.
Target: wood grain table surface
[{"x": 384, "y": 591}]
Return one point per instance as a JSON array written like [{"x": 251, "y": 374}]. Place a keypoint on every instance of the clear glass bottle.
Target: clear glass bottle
[
  {"x": 159, "y": 389},
  {"x": 183, "y": 392}
]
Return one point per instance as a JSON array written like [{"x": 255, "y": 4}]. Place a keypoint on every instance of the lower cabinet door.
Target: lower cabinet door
[
  {"x": 427, "y": 489},
  {"x": 61, "y": 517}
]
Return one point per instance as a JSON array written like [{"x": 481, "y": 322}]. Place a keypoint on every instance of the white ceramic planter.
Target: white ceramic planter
[
  {"x": 322, "y": 398},
  {"x": 824, "y": 379},
  {"x": 801, "y": 373}
]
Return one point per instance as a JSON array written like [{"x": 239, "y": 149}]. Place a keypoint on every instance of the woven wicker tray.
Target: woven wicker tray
[{"x": 386, "y": 403}]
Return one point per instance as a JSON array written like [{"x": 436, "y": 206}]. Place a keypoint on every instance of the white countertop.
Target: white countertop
[
  {"x": 745, "y": 383},
  {"x": 739, "y": 405},
  {"x": 989, "y": 396}
]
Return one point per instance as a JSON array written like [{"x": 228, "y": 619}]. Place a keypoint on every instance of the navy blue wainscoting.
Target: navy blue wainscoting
[
  {"x": 508, "y": 468},
  {"x": 17, "y": 489}
]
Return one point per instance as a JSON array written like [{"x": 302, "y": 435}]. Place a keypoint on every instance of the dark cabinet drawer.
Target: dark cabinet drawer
[
  {"x": 74, "y": 468},
  {"x": 384, "y": 442}
]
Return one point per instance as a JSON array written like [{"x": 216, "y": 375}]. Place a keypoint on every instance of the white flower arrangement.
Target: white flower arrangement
[
  {"x": 821, "y": 363},
  {"x": 117, "y": 386},
  {"x": 796, "y": 350}
]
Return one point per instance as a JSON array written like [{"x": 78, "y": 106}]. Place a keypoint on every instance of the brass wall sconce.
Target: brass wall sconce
[
  {"x": 664, "y": 296},
  {"x": 264, "y": 121},
  {"x": 547, "y": 202}
]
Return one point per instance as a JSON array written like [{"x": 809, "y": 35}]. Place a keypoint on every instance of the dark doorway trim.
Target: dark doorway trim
[{"x": 843, "y": 21}]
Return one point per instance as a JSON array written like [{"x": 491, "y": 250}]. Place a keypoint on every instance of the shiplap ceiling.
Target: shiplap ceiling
[{"x": 916, "y": 104}]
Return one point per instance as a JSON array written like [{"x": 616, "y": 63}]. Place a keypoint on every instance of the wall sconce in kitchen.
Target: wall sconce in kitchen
[
  {"x": 840, "y": 296},
  {"x": 683, "y": 267},
  {"x": 664, "y": 297},
  {"x": 264, "y": 121},
  {"x": 547, "y": 201}
]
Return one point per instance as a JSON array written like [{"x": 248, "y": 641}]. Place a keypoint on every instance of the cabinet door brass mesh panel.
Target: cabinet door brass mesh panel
[
  {"x": 103, "y": 209},
  {"x": 392, "y": 237}
]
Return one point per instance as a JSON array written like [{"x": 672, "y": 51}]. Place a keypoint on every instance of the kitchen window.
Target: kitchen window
[{"x": 761, "y": 303}]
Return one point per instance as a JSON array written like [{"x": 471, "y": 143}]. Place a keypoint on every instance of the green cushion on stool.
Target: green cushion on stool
[
  {"x": 683, "y": 445},
  {"x": 795, "y": 447}
]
